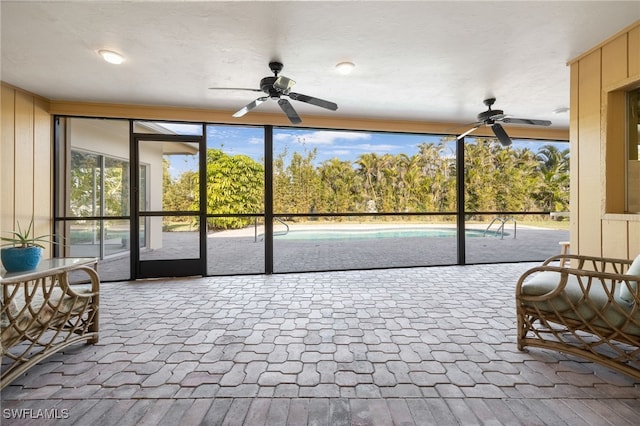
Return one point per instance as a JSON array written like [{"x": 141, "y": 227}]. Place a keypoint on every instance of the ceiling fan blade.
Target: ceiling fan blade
[
  {"x": 502, "y": 136},
  {"x": 527, "y": 121},
  {"x": 291, "y": 113},
  {"x": 235, "y": 88},
  {"x": 467, "y": 132},
  {"x": 314, "y": 101},
  {"x": 251, "y": 105}
]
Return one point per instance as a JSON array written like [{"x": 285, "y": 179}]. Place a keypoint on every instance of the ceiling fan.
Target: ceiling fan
[
  {"x": 493, "y": 118},
  {"x": 276, "y": 87}
]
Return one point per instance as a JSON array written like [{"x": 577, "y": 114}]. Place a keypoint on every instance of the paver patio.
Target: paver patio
[{"x": 400, "y": 346}]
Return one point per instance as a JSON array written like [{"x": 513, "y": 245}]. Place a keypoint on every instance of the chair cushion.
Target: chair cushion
[
  {"x": 627, "y": 291},
  {"x": 594, "y": 303}
]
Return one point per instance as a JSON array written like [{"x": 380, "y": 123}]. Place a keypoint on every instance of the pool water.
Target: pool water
[{"x": 354, "y": 234}]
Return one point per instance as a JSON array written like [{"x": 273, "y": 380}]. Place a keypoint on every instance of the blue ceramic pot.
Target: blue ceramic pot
[{"x": 19, "y": 259}]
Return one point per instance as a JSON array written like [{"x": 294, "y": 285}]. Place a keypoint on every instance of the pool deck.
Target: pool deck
[{"x": 238, "y": 252}]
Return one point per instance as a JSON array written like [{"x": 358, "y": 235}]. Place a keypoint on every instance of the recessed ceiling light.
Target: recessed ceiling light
[
  {"x": 111, "y": 56},
  {"x": 345, "y": 67}
]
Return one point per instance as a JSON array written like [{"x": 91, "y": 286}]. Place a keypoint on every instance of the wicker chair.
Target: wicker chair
[
  {"x": 44, "y": 314},
  {"x": 590, "y": 309}
]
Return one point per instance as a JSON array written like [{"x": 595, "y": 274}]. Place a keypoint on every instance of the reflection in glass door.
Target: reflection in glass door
[{"x": 168, "y": 216}]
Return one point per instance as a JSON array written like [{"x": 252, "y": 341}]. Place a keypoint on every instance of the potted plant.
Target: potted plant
[{"x": 22, "y": 251}]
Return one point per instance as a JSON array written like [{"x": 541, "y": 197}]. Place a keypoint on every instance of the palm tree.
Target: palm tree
[
  {"x": 369, "y": 169},
  {"x": 553, "y": 193},
  {"x": 340, "y": 186},
  {"x": 553, "y": 160}
]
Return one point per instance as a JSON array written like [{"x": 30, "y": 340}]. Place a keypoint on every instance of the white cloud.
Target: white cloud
[
  {"x": 320, "y": 137},
  {"x": 367, "y": 147},
  {"x": 340, "y": 152}
]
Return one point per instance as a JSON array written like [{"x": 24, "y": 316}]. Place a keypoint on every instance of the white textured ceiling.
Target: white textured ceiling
[{"x": 418, "y": 60}]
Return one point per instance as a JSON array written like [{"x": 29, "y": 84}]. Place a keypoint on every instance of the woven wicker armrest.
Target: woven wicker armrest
[
  {"x": 592, "y": 310},
  {"x": 594, "y": 263},
  {"x": 43, "y": 313},
  {"x": 94, "y": 282}
]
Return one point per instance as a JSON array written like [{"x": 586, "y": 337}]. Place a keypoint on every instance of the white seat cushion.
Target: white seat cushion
[{"x": 627, "y": 291}]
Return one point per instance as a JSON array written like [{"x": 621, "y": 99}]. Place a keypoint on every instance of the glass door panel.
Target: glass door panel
[
  {"x": 168, "y": 212},
  {"x": 178, "y": 238}
]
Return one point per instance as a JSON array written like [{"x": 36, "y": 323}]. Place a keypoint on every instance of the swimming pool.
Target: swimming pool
[{"x": 374, "y": 233}]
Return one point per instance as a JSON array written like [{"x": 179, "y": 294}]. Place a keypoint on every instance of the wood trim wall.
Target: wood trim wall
[
  {"x": 26, "y": 178},
  {"x": 599, "y": 81}
]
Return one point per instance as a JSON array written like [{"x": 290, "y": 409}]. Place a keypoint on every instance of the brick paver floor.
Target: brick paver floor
[{"x": 384, "y": 347}]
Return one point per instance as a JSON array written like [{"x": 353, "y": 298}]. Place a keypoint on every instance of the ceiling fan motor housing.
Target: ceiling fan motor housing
[
  {"x": 266, "y": 85},
  {"x": 491, "y": 114}
]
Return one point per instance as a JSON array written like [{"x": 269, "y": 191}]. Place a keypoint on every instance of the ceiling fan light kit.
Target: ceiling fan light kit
[
  {"x": 493, "y": 118},
  {"x": 276, "y": 87}
]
